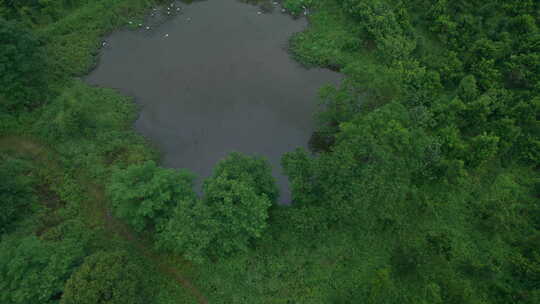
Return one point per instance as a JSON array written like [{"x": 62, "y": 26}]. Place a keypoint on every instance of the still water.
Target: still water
[{"x": 213, "y": 79}]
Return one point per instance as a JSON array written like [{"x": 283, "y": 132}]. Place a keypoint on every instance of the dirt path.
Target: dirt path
[{"x": 96, "y": 192}]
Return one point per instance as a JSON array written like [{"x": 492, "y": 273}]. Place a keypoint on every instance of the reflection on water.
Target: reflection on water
[{"x": 214, "y": 78}]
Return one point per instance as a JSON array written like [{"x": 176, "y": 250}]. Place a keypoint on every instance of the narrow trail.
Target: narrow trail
[{"x": 96, "y": 192}]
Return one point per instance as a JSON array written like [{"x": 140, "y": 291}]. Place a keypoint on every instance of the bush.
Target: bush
[
  {"x": 106, "y": 278},
  {"x": 22, "y": 68},
  {"x": 144, "y": 195},
  {"x": 17, "y": 194}
]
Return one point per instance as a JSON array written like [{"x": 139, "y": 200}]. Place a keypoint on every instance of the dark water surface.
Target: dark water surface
[{"x": 215, "y": 79}]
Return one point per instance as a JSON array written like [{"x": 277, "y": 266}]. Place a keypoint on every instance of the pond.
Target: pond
[{"x": 215, "y": 77}]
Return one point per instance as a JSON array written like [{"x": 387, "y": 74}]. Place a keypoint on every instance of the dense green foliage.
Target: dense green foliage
[
  {"x": 68, "y": 146},
  {"x": 33, "y": 11},
  {"x": 232, "y": 211},
  {"x": 144, "y": 195},
  {"x": 17, "y": 195},
  {"x": 253, "y": 171},
  {"x": 434, "y": 139},
  {"x": 106, "y": 277},
  {"x": 424, "y": 187},
  {"x": 22, "y": 68},
  {"x": 35, "y": 271}
]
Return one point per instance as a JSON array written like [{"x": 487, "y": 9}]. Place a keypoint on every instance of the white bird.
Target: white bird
[
  {"x": 131, "y": 22},
  {"x": 147, "y": 27},
  {"x": 166, "y": 35},
  {"x": 258, "y": 13},
  {"x": 177, "y": 9},
  {"x": 140, "y": 24}
]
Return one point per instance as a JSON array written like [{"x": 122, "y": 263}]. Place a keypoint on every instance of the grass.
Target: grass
[
  {"x": 331, "y": 39},
  {"x": 73, "y": 42},
  {"x": 93, "y": 208}
]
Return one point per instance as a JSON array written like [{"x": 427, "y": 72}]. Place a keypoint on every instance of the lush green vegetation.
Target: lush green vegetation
[
  {"x": 23, "y": 67},
  {"x": 17, "y": 194},
  {"x": 107, "y": 277},
  {"x": 232, "y": 211},
  {"x": 424, "y": 187}
]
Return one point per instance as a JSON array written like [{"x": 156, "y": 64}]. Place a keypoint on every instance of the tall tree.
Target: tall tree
[
  {"x": 16, "y": 191},
  {"x": 22, "y": 68},
  {"x": 35, "y": 271},
  {"x": 106, "y": 278},
  {"x": 252, "y": 170},
  {"x": 233, "y": 211},
  {"x": 145, "y": 194}
]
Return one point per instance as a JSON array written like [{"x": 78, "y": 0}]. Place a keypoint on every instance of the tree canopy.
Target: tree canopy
[
  {"x": 22, "y": 68},
  {"x": 106, "y": 278},
  {"x": 144, "y": 194},
  {"x": 232, "y": 211},
  {"x": 422, "y": 184},
  {"x": 17, "y": 193},
  {"x": 33, "y": 270}
]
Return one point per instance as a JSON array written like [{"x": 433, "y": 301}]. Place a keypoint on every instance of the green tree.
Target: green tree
[
  {"x": 468, "y": 89},
  {"x": 15, "y": 8},
  {"x": 254, "y": 171},
  {"x": 22, "y": 68},
  {"x": 300, "y": 170},
  {"x": 233, "y": 211},
  {"x": 241, "y": 213},
  {"x": 190, "y": 230},
  {"x": 145, "y": 194},
  {"x": 35, "y": 271},
  {"x": 17, "y": 194},
  {"x": 106, "y": 278},
  {"x": 382, "y": 289},
  {"x": 482, "y": 148},
  {"x": 372, "y": 165}
]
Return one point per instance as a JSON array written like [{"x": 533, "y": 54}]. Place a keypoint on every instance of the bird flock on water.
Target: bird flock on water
[{"x": 172, "y": 9}]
